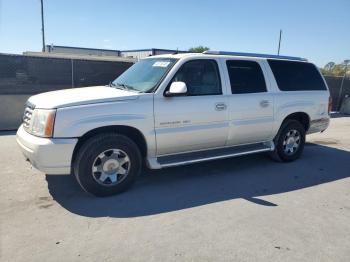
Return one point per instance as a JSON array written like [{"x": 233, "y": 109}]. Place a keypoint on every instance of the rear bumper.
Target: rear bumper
[
  {"x": 318, "y": 125},
  {"x": 49, "y": 155}
]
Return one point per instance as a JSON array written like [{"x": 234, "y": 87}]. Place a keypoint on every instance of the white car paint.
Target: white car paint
[
  {"x": 170, "y": 125},
  {"x": 80, "y": 96}
]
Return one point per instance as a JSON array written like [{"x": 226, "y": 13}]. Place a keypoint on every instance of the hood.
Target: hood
[{"x": 80, "y": 96}]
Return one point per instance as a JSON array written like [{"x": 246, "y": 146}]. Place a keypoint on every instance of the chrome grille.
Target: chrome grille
[{"x": 27, "y": 115}]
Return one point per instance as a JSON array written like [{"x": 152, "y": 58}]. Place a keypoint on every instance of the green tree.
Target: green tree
[
  {"x": 198, "y": 49},
  {"x": 329, "y": 66},
  {"x": 333, "y": 69}
]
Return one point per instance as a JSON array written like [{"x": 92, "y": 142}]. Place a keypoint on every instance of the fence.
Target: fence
[
  {"x": 334, "y": 85},
  {"x": 23, "y": 76}
]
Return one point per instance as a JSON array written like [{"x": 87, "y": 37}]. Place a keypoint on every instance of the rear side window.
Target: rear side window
[
  {"x": 245, "y": 77},
  {"x": 296, "y": 76}
]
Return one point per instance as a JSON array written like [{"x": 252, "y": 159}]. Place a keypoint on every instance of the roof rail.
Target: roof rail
[{"x": 254, "y": 55}]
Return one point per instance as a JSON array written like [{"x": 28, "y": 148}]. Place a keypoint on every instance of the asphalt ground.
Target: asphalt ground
[{"x": 241, "y": 209}]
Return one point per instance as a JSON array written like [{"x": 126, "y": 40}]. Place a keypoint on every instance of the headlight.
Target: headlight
[{"x": 43, "y": 122}]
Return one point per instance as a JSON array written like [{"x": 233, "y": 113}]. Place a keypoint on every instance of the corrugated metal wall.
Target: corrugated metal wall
[
  {"x": 136, "y": 54},
  {"x": 83, "y": 51}
]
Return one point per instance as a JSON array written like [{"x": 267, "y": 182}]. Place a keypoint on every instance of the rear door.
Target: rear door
[
  {"x": 197, "y": 121},
  {"x": 250, "y": 104}
]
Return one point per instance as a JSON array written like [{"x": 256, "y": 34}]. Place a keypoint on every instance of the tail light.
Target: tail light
[{"x": 330, "y": 104}]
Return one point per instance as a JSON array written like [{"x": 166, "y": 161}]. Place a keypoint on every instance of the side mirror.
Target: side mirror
[{"x": 177, "y": 89}]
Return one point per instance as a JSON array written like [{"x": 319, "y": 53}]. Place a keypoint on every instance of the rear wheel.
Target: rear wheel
[
  {"x": 289, "y": 142},
  {"x": 107, "y": 164}
]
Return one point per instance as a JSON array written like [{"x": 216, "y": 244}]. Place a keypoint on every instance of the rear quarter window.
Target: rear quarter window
[{"x": 296, "y": 76}]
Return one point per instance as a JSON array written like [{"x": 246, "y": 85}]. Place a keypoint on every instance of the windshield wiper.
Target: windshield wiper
[
  {"x": 126, "y": 87},
  {"x": 111, "y": 84}
]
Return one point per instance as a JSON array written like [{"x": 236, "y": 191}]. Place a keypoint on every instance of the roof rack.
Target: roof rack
[{"x": 254, "y": 55}]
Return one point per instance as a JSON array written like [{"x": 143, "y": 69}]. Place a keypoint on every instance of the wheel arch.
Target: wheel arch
[
  {"x": 301, "y": 117},
  {"x": 131, "y": 132}
]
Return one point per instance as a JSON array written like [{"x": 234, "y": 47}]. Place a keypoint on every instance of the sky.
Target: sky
[{"x": 318, "y": 30}]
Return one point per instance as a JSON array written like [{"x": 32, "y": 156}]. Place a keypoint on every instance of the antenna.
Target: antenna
[{"x": 279, "y": 42}]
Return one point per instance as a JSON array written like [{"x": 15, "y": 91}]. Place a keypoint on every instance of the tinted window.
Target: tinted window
[
  {"x": 296, "y": 76},
  {"x": 245, "y": 77},
  {"x": 200, "y": 76}
]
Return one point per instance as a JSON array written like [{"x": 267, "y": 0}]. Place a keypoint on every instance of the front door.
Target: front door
[{"x": 197, "y": 121}]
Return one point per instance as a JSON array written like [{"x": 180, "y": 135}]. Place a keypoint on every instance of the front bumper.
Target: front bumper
[{"x": 49, "y": 155}]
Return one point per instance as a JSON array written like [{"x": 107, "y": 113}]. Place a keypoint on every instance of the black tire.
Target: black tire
[
  {"x": 86, "y": 158},
  {"x": 279, "y": 154}
]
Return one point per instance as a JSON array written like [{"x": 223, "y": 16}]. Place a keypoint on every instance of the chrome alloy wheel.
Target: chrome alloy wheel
[
  {"x": 111, "y": 167},
  {"x": 291, "y": 142}
]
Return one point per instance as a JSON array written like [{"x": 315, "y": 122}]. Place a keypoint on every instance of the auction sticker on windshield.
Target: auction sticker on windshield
[{"x": 161, "y": 63}]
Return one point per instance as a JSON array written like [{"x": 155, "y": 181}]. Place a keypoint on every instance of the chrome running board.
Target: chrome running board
[{"x": 220, "y": 153}]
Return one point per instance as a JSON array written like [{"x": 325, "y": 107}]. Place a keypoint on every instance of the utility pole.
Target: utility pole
[
  {"x": 42, "y": 24},
  {"x": 279, "y": 42}
]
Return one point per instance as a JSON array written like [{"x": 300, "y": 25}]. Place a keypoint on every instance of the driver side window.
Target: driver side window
[{"x": 201, "y": 77}]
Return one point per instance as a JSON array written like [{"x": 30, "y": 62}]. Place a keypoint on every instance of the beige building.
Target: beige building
[{"x": 135, "y": 53}]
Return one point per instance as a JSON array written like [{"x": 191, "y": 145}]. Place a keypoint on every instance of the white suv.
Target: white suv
[{"x": 173, "y": 110}]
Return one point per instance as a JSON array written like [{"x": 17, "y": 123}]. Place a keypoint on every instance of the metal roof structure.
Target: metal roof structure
[
  {"x": 154, "y": 49},
  {"x": 48, "y": 47},
  {"x": 79, "y": 56}
]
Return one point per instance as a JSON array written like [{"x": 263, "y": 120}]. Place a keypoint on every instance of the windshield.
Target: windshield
[{"x": 144, "y": 75}]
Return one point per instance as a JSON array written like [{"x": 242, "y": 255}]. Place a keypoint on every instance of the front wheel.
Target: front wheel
[
  {"x": 107, "y": 164},
  {"x": 290, "y": 141}
]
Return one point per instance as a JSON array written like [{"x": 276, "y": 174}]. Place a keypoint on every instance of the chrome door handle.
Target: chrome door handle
[
  {"x": 220, "y": 106},
  {"x": 264, "y": 103}
]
